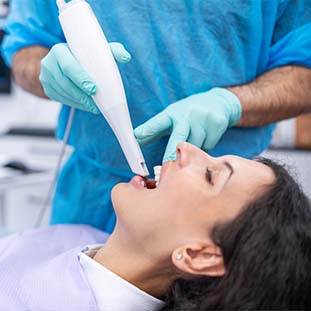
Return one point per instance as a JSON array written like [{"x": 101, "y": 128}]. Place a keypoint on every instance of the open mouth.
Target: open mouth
[{"x": 140, "y": 182}]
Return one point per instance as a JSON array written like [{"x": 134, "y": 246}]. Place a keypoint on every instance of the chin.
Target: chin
[
  {"x": 124, "y": 196},
  {"x": 121, "y": 195},
  {"x": 117, "y": 192}
]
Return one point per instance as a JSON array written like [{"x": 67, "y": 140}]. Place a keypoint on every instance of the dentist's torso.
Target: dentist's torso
[{"x": 179, "y": 48}]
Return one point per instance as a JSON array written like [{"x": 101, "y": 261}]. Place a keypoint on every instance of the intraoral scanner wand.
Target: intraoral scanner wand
[{"x": 89, "y": 45}]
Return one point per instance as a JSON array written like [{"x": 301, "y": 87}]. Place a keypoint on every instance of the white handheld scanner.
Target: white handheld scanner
[{"x": 89, "y": 45}]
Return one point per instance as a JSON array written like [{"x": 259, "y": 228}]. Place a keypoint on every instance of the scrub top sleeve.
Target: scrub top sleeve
[
  {"x": 31, "y": 22},
  {"x": 291, "y": 42}
]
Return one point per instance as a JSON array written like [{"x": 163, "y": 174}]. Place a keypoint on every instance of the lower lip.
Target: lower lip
[{"x": 136, "y": 181}]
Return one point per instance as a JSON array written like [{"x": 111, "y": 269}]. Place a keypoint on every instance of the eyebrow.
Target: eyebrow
[{"x": 229, "y": 166}]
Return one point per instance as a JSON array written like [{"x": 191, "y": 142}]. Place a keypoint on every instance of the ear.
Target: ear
[{"x": 199, "y": 259}]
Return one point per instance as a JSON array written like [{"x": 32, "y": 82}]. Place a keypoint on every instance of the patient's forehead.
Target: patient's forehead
[{"x": 252, "y": 169}]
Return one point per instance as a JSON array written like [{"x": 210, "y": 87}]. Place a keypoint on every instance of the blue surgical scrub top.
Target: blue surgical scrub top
[{"x": 178, "y": 48}]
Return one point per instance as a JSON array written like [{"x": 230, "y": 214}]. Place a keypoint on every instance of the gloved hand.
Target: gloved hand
[
  {"x": 64, "y": 80},
  {"x": 200, "y": 119}
]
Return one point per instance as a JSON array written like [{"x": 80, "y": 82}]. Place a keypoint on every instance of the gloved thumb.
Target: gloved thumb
[
  {"x": 119, "y": 52},
  {"x": 180, "y": 133}
]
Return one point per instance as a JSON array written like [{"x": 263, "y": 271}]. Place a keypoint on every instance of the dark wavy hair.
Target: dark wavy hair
[{"x": 267, "y": 255}]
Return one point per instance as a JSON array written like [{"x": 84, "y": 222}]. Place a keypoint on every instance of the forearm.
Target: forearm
[
  {"x": 279, "y": 94},
  {"x": 26, "y": 69}
]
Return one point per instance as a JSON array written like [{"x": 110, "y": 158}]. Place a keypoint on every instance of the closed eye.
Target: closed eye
[{"x": 209, "y": 176}]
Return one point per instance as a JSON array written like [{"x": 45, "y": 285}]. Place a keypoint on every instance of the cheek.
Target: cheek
[
  {"x": 182, "y": 201},
  {"x": 222, "y": 208},
  {"x": 184, "y": 215},
  {"x": 190, "y": 203}
]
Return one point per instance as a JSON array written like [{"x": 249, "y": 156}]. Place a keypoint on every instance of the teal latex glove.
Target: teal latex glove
[
  {"x": 64, "y": 80},
  {"x": 200, "y": 119}
]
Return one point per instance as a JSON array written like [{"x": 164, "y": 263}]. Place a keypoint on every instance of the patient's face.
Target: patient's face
[{"x": 195, "y": 192}]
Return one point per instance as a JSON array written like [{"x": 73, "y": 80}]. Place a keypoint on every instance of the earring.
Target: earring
[{"x": 178, "y": 256}]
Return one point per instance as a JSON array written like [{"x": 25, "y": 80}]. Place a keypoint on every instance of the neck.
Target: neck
[{"x": 152, "y": 276}]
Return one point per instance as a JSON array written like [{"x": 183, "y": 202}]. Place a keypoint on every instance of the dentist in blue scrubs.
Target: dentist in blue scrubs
[{"x": 217, "y": 74}]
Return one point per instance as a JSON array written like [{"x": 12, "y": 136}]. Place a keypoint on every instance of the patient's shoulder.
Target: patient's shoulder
[
  {"x": 77, "y": 231},
  {"x": 60, "y": 237},
  {"x": 69, "y": 235},
  {"x": 40, "y": 269}
]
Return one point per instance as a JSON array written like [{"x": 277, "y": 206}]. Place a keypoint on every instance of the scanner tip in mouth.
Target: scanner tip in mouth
[
  {"x": 140, "y": 182},
  {"x": 145, "y": 169}
]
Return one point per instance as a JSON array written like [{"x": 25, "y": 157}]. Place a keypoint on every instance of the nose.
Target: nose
[{"x": 187, "y": 153}]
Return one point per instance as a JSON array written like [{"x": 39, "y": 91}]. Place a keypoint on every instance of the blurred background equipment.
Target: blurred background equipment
[
  {"x": 291, "y": 144},
  {"x": 5, "y": 82},
  {"x": 293, "y": 133},
  {"x": 4, "y": 8},
  {"x": 28, "y": 150},
  {"x": 27, "y": 164}
]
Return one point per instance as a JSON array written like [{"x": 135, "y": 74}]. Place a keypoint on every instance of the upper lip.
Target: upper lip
[{"x": 164, "y": 169}]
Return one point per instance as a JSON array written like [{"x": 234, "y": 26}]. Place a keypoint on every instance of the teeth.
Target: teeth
[
  {"x": 143, "y": 183},
  {"x": 157, "y": 168},
  {"x": 157, "y": 174}
]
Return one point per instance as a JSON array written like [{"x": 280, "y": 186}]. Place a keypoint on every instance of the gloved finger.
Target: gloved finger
[
  {"x": 153, "y": 129},
  {"x": 58, "y": 87},
  {"x": 213, "y": 135},
  {"x": 197, "y": 136},
  {"x": 181, "y": 130},
  {"x": 84, "y": 101},
  {"x": 71, "y": 68},
  {"x": 69, "y": 102},
  {"x": 119, "y": 52}
]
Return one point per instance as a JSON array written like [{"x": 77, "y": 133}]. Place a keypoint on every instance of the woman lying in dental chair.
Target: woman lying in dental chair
[{"x": 216, "y": 234}]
